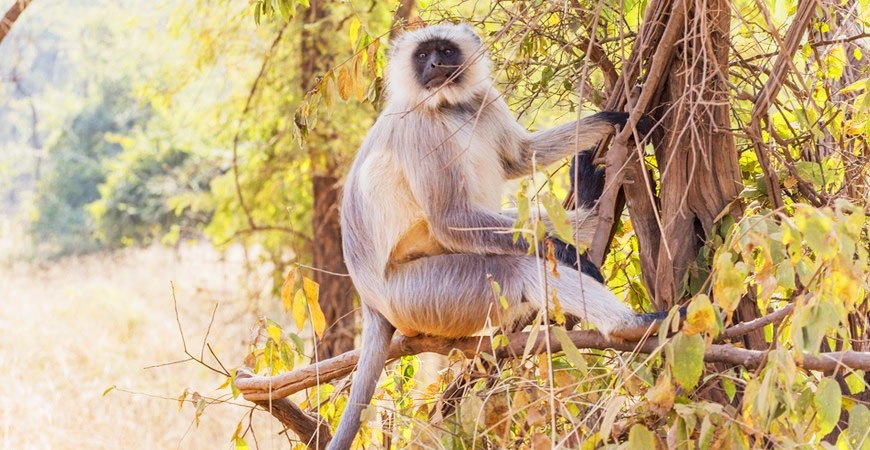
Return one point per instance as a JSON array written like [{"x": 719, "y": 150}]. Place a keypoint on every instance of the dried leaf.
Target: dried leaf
[{"x": 345, "y": 84}]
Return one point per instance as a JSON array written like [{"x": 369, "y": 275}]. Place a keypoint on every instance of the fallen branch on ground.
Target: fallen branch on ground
[{"x": 259, "y": 388}]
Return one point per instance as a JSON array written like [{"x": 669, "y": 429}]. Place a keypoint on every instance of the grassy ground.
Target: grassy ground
[{"x": 70, "y": 330}]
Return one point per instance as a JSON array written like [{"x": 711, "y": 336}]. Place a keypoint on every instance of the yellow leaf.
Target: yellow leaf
[
  {"x": 729, "y": 282},
  {"x": 312, "y": 293},
  {"x": 662, "y": 395},
  {"x": 298, "y": 312},
  {"x": 287, "y": 289},
  {"x": 274, "y": 331},
  {"x": 311, "y": 288},
  {"x": 354, "y": 32},
  {"x": 182, "y": 398},
  {"x": 558, "y": 312},
  {"x": 701, "y": 316}
]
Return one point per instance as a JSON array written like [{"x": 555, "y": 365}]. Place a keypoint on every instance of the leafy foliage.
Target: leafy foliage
[{"x": 75, "y": 158}]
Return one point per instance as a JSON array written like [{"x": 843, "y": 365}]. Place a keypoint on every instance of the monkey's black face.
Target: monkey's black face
[{"x": 437, "y": 62}]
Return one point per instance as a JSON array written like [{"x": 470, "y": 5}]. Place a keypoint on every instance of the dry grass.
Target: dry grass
[{"x": 71, "y": 329}]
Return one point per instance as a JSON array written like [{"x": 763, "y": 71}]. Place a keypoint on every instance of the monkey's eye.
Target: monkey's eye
[
  {"x": 447, "y": 51},
  {"x": 422, "y": 55}
]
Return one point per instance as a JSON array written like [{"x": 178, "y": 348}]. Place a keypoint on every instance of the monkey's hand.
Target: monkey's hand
[{"x": 644, "y": 125}]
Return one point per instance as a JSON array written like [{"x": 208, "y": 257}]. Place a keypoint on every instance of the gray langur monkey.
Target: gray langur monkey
[{"x": 421, "y": 220}]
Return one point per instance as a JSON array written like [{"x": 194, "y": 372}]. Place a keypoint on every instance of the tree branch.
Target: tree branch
[
  {"x": 747, "y": 327},
  {"x": 259, "y": 388},
  {"x": 311, "y": 429},
  {"x": 11, "y": 16}
]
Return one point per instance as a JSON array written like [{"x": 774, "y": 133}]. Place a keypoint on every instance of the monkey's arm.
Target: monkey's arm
[
  {"x": 456, "y": 222},
  {"x": 549, "y": 146}
]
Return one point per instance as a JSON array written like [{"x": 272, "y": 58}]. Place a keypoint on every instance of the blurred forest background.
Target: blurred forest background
[{"x": 175, "y": 166}]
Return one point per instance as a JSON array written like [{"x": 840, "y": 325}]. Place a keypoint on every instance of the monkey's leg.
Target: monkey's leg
[{"x": 452, "y": 295}]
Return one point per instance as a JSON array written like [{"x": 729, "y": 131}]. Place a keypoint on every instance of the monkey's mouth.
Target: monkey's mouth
[{"x": 438, "y": 81}]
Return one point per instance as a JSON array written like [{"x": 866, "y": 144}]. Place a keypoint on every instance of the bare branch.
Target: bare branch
[
  {"x": 747, "y": 327},
  {"x": 803, "y": 18},
  {"x": 11, "y": 16}
]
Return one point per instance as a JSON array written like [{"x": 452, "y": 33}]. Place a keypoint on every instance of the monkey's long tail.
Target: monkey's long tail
[{"x": 377, "y": 333}]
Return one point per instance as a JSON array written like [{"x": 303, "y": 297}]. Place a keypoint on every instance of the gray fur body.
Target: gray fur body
[{"x": 422, "y": 224}]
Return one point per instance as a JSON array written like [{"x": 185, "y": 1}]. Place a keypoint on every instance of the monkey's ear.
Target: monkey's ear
[{"x": 471, "y": 31}]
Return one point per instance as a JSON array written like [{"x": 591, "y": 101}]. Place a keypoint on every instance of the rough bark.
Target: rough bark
[
  {"x": 336, "y": 299},
  {"x": 311, "y": 428},
  {"x": 12, "y": 14},
  {"x": 336, "y": 291},
  {"x": 697, "y": 158},
  {"x": 682, "y": 47}
]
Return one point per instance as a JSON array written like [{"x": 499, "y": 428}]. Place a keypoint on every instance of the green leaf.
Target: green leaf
[
  {"x": 641, "y": 438},
  {"x": 859, "y": 427},
  {"x": 571, "y": 353},
  {"x": 546, "y": 76},
  {"x": 241, "y": 444},
  {"x": 558, "y": 218},
  {"x": 730, "y": 388},
  {"x": 108, "y": 389},
  {"x": 470, "y": 413},
  {"x": 828, "y": 401},
  {"x": 785, "y": 275},
  {"x": 687, "y": 359}
]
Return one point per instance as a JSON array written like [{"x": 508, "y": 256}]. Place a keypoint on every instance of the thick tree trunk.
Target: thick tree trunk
[
  {"x": 336, "y": 291},
  {"x": 336, "y": 288},
  {"x": 697, "y": 157}
]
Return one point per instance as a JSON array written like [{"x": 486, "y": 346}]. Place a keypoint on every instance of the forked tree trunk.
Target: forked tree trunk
[
  {"x": 683, "y": 49},
  {"x": 336, "y": 288}
]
